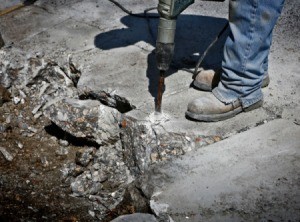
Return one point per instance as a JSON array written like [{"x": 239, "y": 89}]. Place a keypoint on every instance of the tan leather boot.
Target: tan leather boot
[
  {"x": 209, "y": 109},
  {"x": 206, "y": 80}
]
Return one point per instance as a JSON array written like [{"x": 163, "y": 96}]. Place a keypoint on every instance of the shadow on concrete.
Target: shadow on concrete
[{"x": 193, "y": 35}]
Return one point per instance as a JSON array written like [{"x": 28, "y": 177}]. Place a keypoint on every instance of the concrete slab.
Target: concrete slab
[
  {"x": 27, "y": 22},
  {"x": 253, "y": 176},
  {"x": 61, "y": 40}
]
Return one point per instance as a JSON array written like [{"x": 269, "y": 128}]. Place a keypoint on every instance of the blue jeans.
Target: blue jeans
[{"x": 245, "y": 56}]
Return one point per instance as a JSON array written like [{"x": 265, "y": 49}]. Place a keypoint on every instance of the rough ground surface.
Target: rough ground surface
[{"x": 77, "y": 88}]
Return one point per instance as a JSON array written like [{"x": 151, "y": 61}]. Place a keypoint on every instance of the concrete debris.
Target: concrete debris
[
  {"x": 104, "y": 181},
  {"x": 28, "y": 74},
  {"x": 3, "y": 128},
  {"x": 92, "y": 213},
  {"x": 5, "y": 79},
  {"x": 137, "y": 217},
  {"x": 44, "y": 161},
  {"x": 84, "y": 156},
  {"x": 147, "y": 142},
  {"x": 63, "y": 143},
  {"x": 32, "y": 129},
  {"x": 71, "y": 169},
  {"x": 6, "y": 154},
  {"x": 16, "y": 100},
  {"x": 20, "y": 145},
  {"x": 83, "y": 185},
  {"x": 87, "y": 119},
  {"x": 36, "y": 109},
  {"x": 61, "y": 151},
  {"x": 74, "y": 72}
]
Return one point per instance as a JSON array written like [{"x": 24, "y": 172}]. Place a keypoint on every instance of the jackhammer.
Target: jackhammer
[{"x": 168, "y": 11}]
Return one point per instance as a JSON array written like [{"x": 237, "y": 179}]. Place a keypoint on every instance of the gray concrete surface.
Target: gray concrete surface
[{"x": 253, "y": 176}]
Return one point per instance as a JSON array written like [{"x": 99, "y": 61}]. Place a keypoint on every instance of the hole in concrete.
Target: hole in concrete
[
  {"x": 112, "y": 100},
  {"x": 56, "y": 131}
]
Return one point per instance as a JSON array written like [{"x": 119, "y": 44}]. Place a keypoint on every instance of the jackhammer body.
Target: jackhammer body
[{"x": 168, "y": 11}]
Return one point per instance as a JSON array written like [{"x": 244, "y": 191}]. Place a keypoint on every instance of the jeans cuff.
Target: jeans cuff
[{"x": 246, "y": 102}]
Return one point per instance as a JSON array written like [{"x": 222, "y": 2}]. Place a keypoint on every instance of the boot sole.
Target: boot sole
[
  {"x": 222, "y": 116},
  {"x": 201, "y": 86}
]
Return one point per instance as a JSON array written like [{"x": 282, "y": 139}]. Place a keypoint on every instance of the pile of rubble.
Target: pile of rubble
[{"x": 119, "y": 148}]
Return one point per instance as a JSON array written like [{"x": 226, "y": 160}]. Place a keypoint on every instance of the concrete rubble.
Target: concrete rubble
[{"x": 6, "y": 154}]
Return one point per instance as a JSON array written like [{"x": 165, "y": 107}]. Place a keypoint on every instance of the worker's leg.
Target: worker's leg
[{"x": 246, "y": 48}]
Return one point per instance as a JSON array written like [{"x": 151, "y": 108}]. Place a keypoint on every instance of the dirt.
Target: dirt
[{"x": 31, "y": 186}]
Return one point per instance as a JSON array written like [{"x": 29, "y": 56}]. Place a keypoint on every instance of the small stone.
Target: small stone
[
  {"x": 61, "y": 151},
  {"x": 16, "y": 100},
  {"x": 20, "y": 145},
  {"x": 32, "y": 129},
  {"x": 6, "y": 154},
  {"x": 96, "y": 166},
  {"x": 3, "y": 128},
  {"x": 38, "y": 115},
  {"x": 63, "y": 143},
  {"x": 217, "y": 138},
  {"x": 22, "y": 94},
  {"x": 8, "y": 119},
  {"x": 53, "y": 138},
  {"x": 82, "y": 186},
  {"x": 84, "y": 156},
  {"x": 113, "y": 194},
  {"x": 71, "y": 169},
  {"x": 92, "y": 213},
  {"x": 44, "y": 161},
  {"x": 36, "y": 109}
]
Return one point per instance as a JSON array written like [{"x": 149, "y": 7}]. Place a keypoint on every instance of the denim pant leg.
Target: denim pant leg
[{"x": 246, "y": 50}]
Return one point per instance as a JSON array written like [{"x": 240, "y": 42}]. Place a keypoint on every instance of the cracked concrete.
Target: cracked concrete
[{"x": 253, "y": 176}]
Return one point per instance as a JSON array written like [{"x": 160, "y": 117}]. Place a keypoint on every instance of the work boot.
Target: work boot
[
  {"x": 209, "y": 109},
  {"x": 206, "y": 80}
]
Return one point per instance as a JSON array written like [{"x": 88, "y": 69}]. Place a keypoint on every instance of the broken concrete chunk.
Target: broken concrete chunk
[
  {"x": 83, "y": 185},
  {"x": 86, "y": 118},
  {"x": 146, "y": 142},
  {"x": 6, "y": 154},
  {"x": 84, "y": 156}
]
